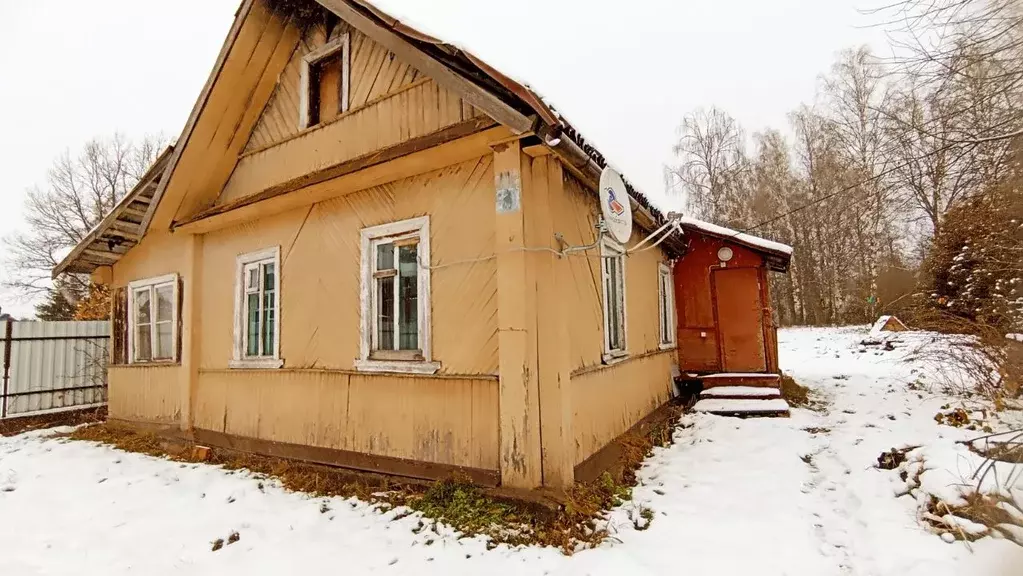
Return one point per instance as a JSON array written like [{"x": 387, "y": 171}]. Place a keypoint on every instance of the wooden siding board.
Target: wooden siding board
[
  {"x": 390, "y": 103},
  {"x": 317, "y": 332},
  {"x": 144, "y": 393},
  {"x": 446, "y": 421},
  {"x": 198, "y": 156},
  {"x": 281, "y": 53},
  {"x": 606, "y": 403},
  {"x": 334, "y": 143}
]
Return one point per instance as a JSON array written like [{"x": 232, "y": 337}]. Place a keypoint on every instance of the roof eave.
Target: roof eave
[{"x": 117, "y": 228}]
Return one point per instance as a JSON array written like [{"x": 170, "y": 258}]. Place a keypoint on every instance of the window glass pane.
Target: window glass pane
[
  {"x": 615, "y": 304},
  {"x": 385, "y": 256},
  {"x": 663, "y": 305},
  {"x": 610, "y": 296},
  {"x": 385, "y": 313},
  {"x": 165, "y": 303},
  {"x": 164, "y": 348},
  {"x": 252, "y": 324},
  {"x": 268, "y": 276},
  {"x": 620, "y": 299},
  {"x": 142, "y": 308},
  {"x": 252, "y": 282},
  {"x": 408, "y": 294},
  {"x": 269, "y": 319},
  {"x": 143, "y": 343},
  {"x": 667, "y": 309},
  {"x": 269, "y": 307}
]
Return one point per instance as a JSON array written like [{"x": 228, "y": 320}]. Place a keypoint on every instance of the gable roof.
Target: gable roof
[
  {"x": 776, "y": 254},
  {"x": 502, "y": 98},
  {"x": 549, "y": 125},
  {"x": 121, "y": 228}
]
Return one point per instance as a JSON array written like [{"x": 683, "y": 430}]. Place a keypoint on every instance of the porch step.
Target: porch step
[
  {"x": 743, "y": 408},
  {"x": 740, "y": 379},
  {"x": 741, "y": 393}
]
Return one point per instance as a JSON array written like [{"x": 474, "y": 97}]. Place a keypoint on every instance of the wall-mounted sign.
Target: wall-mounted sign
[{"x": 614, "y": 204}]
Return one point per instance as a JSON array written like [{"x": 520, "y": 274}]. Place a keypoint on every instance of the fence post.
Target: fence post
[{"x": 7, "y": 366}]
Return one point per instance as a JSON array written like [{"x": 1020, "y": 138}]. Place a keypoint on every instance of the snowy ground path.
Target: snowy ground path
[{"x": 797, "y": 496}]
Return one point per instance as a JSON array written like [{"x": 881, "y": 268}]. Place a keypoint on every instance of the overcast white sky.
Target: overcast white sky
[{"x": 623, "y": 72}]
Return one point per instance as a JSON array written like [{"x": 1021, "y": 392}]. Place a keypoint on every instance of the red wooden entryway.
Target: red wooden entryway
[
  {"x": 739, "y": 316},
  {"x": 722, "y": 299}
]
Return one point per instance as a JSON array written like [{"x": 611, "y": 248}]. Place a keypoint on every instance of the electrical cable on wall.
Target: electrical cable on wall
[{"x": 665, "y": 231}]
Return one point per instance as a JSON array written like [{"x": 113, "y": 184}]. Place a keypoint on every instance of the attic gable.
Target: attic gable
[
  {"x": 215, "y": 144},
  {"x": 257, "y": 48},
  {"x": 389, "y": 102},
  {"x": 374, "y": 72}
]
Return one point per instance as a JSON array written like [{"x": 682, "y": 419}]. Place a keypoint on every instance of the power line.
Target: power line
[{"x": 831, "y": 195}]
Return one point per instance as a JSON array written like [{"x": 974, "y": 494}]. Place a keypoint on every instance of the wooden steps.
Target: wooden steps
[
  {"x": 743, "y": 408},
  {"x": 742, "y": 395},
  {"x": 737, "y": 379}
]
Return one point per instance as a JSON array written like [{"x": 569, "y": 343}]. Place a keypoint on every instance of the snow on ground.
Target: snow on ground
[{"x": 798, "y": 496}]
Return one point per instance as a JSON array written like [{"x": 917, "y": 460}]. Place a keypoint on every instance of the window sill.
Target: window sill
[
  {"x": 397, "y": 366},
  {"x": 153, "y": 364},
  {"x": 669, "y": 346},
  {"x": 615, "y": 357},
  {"x": 256, "y": 363}
]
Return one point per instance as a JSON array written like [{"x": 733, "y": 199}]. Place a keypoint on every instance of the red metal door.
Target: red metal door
[{"x": 739, "y": 314}]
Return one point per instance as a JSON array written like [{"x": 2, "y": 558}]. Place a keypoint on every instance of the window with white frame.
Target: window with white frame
[
  {"x": 257, "y": 310},
  {"x": 324, "y": 78},
  {"x": 612, "y": 269},
  {"x": 395, "y": 298},
  {"x": 153, "y": 319},
  {"x": 666, "y": 299}
]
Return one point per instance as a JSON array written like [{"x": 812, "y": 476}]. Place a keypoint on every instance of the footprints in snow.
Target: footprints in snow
[{"x": 8, "y": 481}]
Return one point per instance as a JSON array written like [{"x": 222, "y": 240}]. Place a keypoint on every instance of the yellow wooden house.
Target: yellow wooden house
[{"x": 370, "y": 249}]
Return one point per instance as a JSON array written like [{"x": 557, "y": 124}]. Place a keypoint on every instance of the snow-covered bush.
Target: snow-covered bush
[{"x": 976, "y": 262}]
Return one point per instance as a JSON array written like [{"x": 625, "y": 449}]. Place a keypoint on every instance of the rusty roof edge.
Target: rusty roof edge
[{"x": 524, "y": 93}]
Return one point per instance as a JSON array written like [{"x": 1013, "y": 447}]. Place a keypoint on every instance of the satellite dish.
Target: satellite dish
[{"x": 614, "y": 204}]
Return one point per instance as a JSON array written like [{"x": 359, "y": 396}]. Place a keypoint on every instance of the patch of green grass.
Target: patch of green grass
[{"x": 462, "y": 505}]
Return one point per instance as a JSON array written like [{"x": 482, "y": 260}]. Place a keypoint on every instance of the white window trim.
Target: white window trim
[
  {"x": 340, "y": 44},
  {"x": 130, "y": 320},
  {"x": 666, "y": 299},
  {"x": 239, "y": 360},
  {"x": 364, "y": 363},
  {"x": 609, "y": 247}
]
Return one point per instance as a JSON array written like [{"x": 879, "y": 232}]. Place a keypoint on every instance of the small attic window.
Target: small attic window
[{"x": 324, "y": 80}]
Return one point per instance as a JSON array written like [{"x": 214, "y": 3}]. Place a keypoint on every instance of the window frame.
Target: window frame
[
  {"x": 240, "y": 359},
  {"x": 371, "y": 237},
  {"x": 341, "y": 43},
  {"x": 666, "y": 307},
  {"x": 609, "y": 248},
  {"x": 152, "y": 284}
]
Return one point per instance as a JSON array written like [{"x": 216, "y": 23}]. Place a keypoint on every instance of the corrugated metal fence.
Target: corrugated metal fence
[{"x": 52, "y": 366}]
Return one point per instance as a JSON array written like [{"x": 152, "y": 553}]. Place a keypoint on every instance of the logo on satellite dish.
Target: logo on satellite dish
[
  {"x": 613, "y": 203},
  {"x": 614, "y": 200}
]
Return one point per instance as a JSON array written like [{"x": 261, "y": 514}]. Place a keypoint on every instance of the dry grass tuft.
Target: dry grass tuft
[
  {"x": 793, "y": 392},
  {"x": 19, "y": 425},
  {"x": 991, "y": 510},
  {"x": 573, "y": 524},
  {"x": 123, "y": 438}
]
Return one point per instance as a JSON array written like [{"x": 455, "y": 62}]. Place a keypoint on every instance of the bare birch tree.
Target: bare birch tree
[
  {"x": 711, "y": 164},
  {"x": 80, "y": 190}
]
